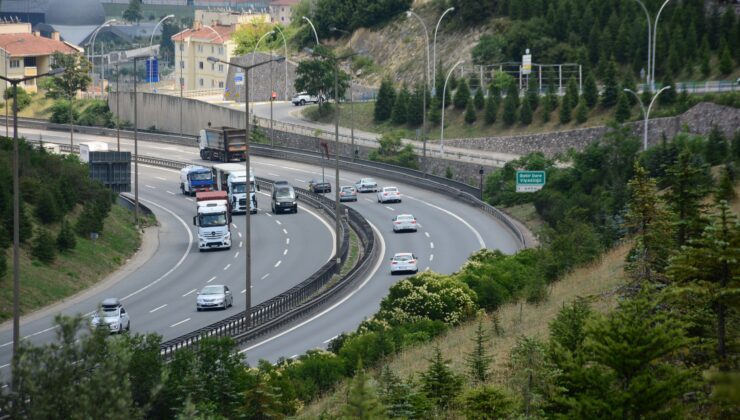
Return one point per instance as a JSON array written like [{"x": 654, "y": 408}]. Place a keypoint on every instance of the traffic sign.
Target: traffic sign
[
  {"x": 239, "y": 79},
  {"x": 527, "y": 63},
  {"x": 530, "y": 181}
]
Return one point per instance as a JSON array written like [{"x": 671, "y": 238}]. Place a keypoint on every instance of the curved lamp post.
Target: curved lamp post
[
  {"x": 247, "y": 221},
  {"x": 655, "y": 37},
  {"x": 255, "y": 52},
  {"x": 646, "y": 113},
  {"x": 312, "y": 27},
  {"x": 151, "y": 39},
  {"x": 16, "y": 212},
  {"x": 434, "y": 49},
  {"x": 351, "y": 96},
  {"x": 285, "y": 46},
  {"x": 426, "y": 89},
  {"x": 650, "y": 37},
  {"x": 442, "y": 126},
  {"x": 92, "y": 50}
]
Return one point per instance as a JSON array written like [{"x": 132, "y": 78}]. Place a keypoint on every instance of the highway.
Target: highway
[{"x": 286, "y": 249}]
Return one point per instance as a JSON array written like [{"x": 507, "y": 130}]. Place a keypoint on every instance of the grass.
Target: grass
[
  {"x": 70, "y": 273},
  {"x": 354, "y": 253},
  {"x": 597, "y": 282}
]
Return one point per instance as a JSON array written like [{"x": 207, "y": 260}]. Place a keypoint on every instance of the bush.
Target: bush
[
  {"x": 60, "y": 112},
  {"x": 462, "y": 95},
  {"x": 581, "y": 112},
  {"x": 391, "y": 151},
  {"x": 66, "y": 239},
  {"x": 24, "y": 99},
  {"x": 525, "y": 114},
  {"x": 470, "y": 115},
  {"x": 97, "y": 113},
  {"x": 43, "y": 247}
]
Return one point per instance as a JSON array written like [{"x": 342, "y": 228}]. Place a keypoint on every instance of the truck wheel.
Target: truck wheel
[{"x": 303, "y": 102}]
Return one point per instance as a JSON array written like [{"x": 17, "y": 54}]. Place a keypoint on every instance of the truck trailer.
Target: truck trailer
[{"x": 224, "y": 144}]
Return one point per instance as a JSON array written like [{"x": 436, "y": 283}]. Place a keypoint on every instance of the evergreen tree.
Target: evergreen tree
[
  {"x": 629, "y": 83},
  {"x": 66, "y": 239},
  {"x": 395, "y": 394},
  {"x": 735, "y": 146},
  {"x": 533, "y": 97},
  {"x": 452, "y": 82},
  {"x": 726, "y": 188},
  {"x": 511, "y": 103},
  {"x": 705, "y": 57},
  {"x": 439, "y": 383},
  {"x": 385, "y": 101},
  {"x": 668, "y": 97},
  {"x": 416, "y": 107},
  {"x": 43, "y": 247},
  {"x": 581, "y": 112},
  {"x": 362, "y": 402},
  {"x": 435, "y": 111},
  {"x": 717, "y": 149},
  {"x": 552, "y": 97},
  {"x": 399, "y": 114},
  {"x": 260, "y": 399},
  {"x": 622, "y": 113},
  {"x": 648, "y": 220},
  {"x": 462, "y": 95},
  {"x": 611, "y": 88},
  {"x": 47, "y": 210},
  {"x": 479, "y": 99},
  {"x": 565, "y": 111},
  {"x": 487, "y": 402},
  {"x": 531, "y": 373},
  {"x": 478, "y": 360},
  {"x": 688, "y": 183},
  {"x": 492, "y": 110},
  {"x": 3, "y": 264},
  {"x": 133, "y": 12},
  {"x": 470, "y": 115},
  {"x": 571, "y": 92},
  {"x": 590, "y": 90},
  {"x": 725, "y": 61},
  {"x": 525, "y": 114}
]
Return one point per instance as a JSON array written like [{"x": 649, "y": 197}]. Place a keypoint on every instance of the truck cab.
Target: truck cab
[
  {"x": 232, "y": 178},
  {"x": 194, "y": 179},
  {"x": 213, "y": 218}
]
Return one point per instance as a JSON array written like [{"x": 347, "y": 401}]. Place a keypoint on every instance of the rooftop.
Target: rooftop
[{"x": 30, "y": 45}]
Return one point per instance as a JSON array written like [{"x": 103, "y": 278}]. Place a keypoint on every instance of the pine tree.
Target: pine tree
[
  {"x": 611, "y": 87},
  {"x": 511, "y": 103},
  {"x": 629, "y": 83},
  {"x": 43, "y": 247},
  {"x": 435, "y": 110},
  {"x": 491, "y": 109},
  {"x": 735, "y": 146},
  {"x": 3, "y": 264},
  {"x": 717, "y": 149},
  {"x": 565, "y": 111},
  {"x": 531, "y": 373},
  {"x": 487, "y": 402},
  {"x": 479, "y": 99},
  {"x": 648, "y": 220},
  {"x": 668, "y": 97},
  {"x": 478, "y": 360},
  {"x": 571, "y": 92},
  {"x": 439, "y": 383},
  {"x": 47, "y": 210},
  {"x": 66, "y": 239},
  {"x": 725, "y": 61},
  {"x": 590, "y": 90},
  {"x": 362, "y": 401},
  {"x": 726, "y": 188},
  {"x": 622, "y": 113},
  {"x": 688, "y": 183},
  {"x": 525, "y": 113},
  {"x": 462, "y": 95},
  {"x": 533, "y": 97},
  {"x": 260, "y": 399},
  {"x": 399, "y": 114},
  {"x": 452, "y": 82},
  {"x": 581, "y": 112},
  {"x": 705, "y": 57},
  {"x": 384, "y": 103},
  {"x": 470, "y": 115},
  {"x": 395, "y": 394},
  {"x": 416, "y": 107}
]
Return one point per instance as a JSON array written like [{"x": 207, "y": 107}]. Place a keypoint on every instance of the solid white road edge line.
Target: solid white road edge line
[
  {"x": 463, "y": 221},
  {"x": 331, "y": 308}
]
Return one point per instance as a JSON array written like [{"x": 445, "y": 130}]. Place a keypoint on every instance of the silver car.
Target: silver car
[
  {"x": 404, "y": 222},
  {"x": 214, "y": 296},
  {"x": 389, "y": 194},
  {"x": 404, "y": 262},
  {"x": 347, "y": 193},
  {"x": 366, "y": 185},
  {"x": 113, "y": 315}
]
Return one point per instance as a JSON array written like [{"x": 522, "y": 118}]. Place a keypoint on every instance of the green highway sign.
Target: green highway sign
[{"x": 530, "y": 181}]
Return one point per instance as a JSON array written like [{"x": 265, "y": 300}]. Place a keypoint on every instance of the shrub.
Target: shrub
[
  {"x": 479, "y": 100},
  {"x": 60, "y": 112},
  {"x": 565, "y": 111},
  {"x": 462, "y": 95},
  {"x": 470, "y": 115},
  {"x": 24, "y": 99},
  {"x": 43, "y": 247},
  {"x": 391, "y": 151},
  {"x": 525, "y": 114},
  {"x": 66, "y": 239},
  {"x": 581, "y": 112},
  {"x": 97, "y": 113}
]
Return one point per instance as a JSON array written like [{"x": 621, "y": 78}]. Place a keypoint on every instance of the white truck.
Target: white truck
[
  {"x": 213, "y": 219},
  {"x": 91, "y": 146},
  {"x": 232, "y": 178}
]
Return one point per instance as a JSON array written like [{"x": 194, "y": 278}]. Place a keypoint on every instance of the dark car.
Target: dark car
[
  {"x": 284, "y": 198},
  {"x": 319, "y": 187}
]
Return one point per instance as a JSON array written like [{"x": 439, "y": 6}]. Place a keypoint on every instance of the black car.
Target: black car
[
  {"x": 319, "y": 187},
  {"x": 284, "y": 198}
]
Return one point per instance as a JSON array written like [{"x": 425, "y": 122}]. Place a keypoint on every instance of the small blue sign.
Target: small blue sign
[
  {"x": 152, "y": 70},
  {"x": 239, "y": 79}
]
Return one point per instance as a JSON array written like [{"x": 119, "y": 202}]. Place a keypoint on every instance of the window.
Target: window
[
  {"x": 182, "y": 64},
  {"x": 182, "y": 47},
  {"x": 200, "y": 82},
  {"x": 282, "y": 18},
  {"x": 213, "y": 83},
  {"x": 212, "y": 49},
  {"x": 29, "y": 61},
  {"x": 200, "y": 65},
  {"x": 221, "y": 85},
  {"x": 213, "y": 66},
  {"x": 200, "y": 48},
  {"x": 221, "y": 50},
  {"x": 282, "y": 9},
  {"x": 14, "y": 64},
  {"x": 221, "y": 68}
]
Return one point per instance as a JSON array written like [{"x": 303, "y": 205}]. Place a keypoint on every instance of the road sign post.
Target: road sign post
[{"x": 530, "y": 181}]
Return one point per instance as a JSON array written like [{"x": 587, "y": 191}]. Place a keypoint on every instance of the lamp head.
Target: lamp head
[
  {"x": 408, "y": 13},
  {"x": 56, "y": 71},
  {"x": 333, "y": 28},
  {"x": 451, "y": 9},
  {"x": 213, "y": 59},
  {"x": 279, "y": 59}
]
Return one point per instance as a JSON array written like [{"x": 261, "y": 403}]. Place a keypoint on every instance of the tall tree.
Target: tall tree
[
  {"x": 363, "y": 401},
  {"x": 316, "y": 75},
  {"x": 462, "y": 95},
  {"x": 386, "y": 98},
  {"x": 76, "y": 76},
  {"x": 439, "y": 383},
  {"x": 415, "y": 114},
  {"x": 622, "y": 113},
  {"x": 478, "y": 360},
  {"x": 668, "y": 97},
  {"x": 610, "y": 93},
  {"x": 133, "y": 11},
  {"x": 688, "y": 182},
  {"x": 531, "y": 373},
  {"x": 399, "y": 113},
  {"x": 717, "y": 149},
  {"x": 590, "y": 90}
]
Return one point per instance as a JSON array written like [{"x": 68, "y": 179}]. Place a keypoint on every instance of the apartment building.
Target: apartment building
[
  {"x": 192, "y": 49},
  {"x": 281, "y": 11}
]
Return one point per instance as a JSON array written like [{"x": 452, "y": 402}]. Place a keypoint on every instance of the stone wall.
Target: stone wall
[{"x": 698, "y": 120}]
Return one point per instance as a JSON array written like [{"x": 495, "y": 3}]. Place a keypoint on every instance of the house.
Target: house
[
  {"x": 192, "y": 49},
  {"x": 281, "y": 11},
  {"x": 26, "y": 53}
]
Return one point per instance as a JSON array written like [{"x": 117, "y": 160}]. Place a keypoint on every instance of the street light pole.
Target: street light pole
[
  {"x": 424, "y": 95},
  {"x": 646, "y": 113},
  {"x": 285, "y": 46},
  {"x": 136, "y": 144},
  {"x": 151, "y": 39},
  {"x": 336, "y": 166},
  {"x": 442, "y": 126},
  {"x": 247, "y": 218},
  {"x": 254, "y": 52},
  {"x": 650, "y": 31},
  {"x": 16, "y": 212},
  {"x": 312, "y": 27},
  {"x": 351, "y": 98},
  {"x": 655, "y": 37},
  {"x": 118, "y": 109},
  {"x": 434, "y": 48}
]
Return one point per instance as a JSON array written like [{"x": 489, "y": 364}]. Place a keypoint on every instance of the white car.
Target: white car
[
  {"x": 404, "y": 222},
  {"x": 214, "y": 296},
  {"x": 389, "y": 194},
  {"x": 404, "y": 262},
  {"x": 111, "y": 315},
  {"x": 366, "y": 185},
  {"x": 303, "y": 98}
]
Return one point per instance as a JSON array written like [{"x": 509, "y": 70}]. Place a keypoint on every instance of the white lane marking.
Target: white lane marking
[
  {"x": 431, "y": 257},
  {"x": 431, "y": 245},
  {"x": 6, "y": 344},
  {"x": 272, "y": 174},
  {"x": 189, "y": 292},
  {"x": 295, "y": 356},
  {"x": 477, "y": 234},
  {"x": 234, "y": 225},
  {"x": 390, "y": 208},
  {"x": 240, "y": 244},
  {"x": 5, "y": 365},
  {"x": 188, "y": 198},
  {"x": 285, "y": 252},
  {"x": 285, "y": 231},
  {"x": 240, "y": 234},
  {"x": 182, "y": 259},
  {"x": 331, "y": 308},
  {"x": 181, "y": 322},
  {"x": 278, "y": 222},
  {"x": 211, "y": 279},
  {"x": 227, "y": 267},
  {"x": 150, "y": 186},
  {"x": 268, "y": 214},
  {"x": 38, "y": 332},
  {"x": 300, "y": 180},
  {"x": 170, "y": 193},
  {"x": 367, "y": 199},
  {"x": 277, "y": 264},
  {"x": 427, "y": 234},
  {"x": 236, "y": 255},
  {"x": 160, "y": 178},
  {"x": 157, "y": 308},
  {"x": 427, "y": 269},
  {"x": 327, "y": 341},
  {"x": 287, "y": 241},
  {"x": 265, "y": 276}
]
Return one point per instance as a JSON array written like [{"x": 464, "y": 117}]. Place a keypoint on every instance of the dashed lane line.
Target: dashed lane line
[
  {"x": 181, "y": 322},
  {"x": 190, "y": 292},
  {"x": 211, "y": 279},
  {"x": 285, "y": 252},
  {"x": 227, "y": 267},
  {"x": 157, "y": 308},
  {"x": 285, "y": 231},
  {"x": 277, "y": 264}
]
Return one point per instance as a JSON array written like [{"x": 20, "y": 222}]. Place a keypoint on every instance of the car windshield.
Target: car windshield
[
  {"x": 284, "y": 193},
  {"x": 405, "y": 218},
  {"x": 347, "y": 189},
  {"x": 201, "y": 176},
  {"x": 240, "y": 188},
  {"x": 368, "y": 181},
  {"x": 107, "y": 312},
  {"x": 210, "y": 220},
  {"x": 390, "y": 189},
  {"x": 402, "y": 257},
  {"x": 212, "y": 290}
]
